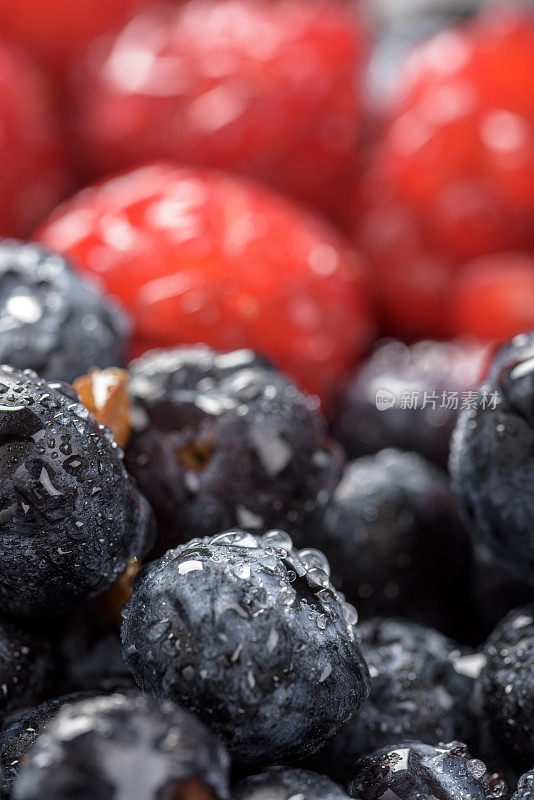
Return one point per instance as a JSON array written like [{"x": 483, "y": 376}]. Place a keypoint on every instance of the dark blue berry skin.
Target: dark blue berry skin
[
  {"x": 51, "y": 319},
  {"x": 119, "y": 746},
  {"x": 525, "y": 787},
  {"x": 223, "y": 440},
  {"x": 421, "y": 687},
  {"x": 493, "y": 593},
  {"x": 507, "y": 686},
  {"x": 25, "y": 661},
  {"x": 249, "y": 634},
  {"x": 431, "y": 367},
  {"x": 415, "y": 771},
  {"x": 394, "y": 540},
  {"x": 70, "y": 514},
  {"x": 278, "y": 783},
  {"x": 18, "y": 734},
  {"x": 492, "y": 461},
  {"x": 89, "y": 656}
]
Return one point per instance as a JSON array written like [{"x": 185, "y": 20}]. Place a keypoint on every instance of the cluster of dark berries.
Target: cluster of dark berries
[{"x": 183, "y": 602}]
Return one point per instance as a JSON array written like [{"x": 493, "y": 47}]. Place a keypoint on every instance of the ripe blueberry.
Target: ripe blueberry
[
  {"x": 250, "y": 634},
  {"x": 51, "y": 319},
  {"x": 123, "y": 746},
  {"x": 70, "y": 515},
  {"x": 421, "y": 688},
  {"x": 223, "y": 440}
]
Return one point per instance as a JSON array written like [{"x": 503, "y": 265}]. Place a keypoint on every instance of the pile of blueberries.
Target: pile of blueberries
[{"x": 177, "y": 618}]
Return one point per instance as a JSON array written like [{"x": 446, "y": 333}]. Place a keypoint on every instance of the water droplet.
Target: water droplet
[
  {"x": 314, "y": 558},
  {"x": 350, "y": 615}
]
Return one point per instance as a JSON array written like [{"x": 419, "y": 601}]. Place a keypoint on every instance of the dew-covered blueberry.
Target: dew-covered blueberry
[
  {"x": 492, "y": 459},
  {"x": 421, "y": 688},
  {"x": 51, "y": 319},
  {"x": 415, "y": 771},
  {"x": 525, "y": 787},
  {"x": 424, "y": 385},
  {"x": 70, "y": 515},
  {"x": 278, "y": 783},
  {"x": 250, "y": 634},
  {"x": 25, "y": 660},
  {"x": 394, "y": 541},
  {"x": 18, "y": 734},
  {"x": 507, "y": 686},
  {"x": 124, "y": 746},
  {"x": 222, "y": 441}
]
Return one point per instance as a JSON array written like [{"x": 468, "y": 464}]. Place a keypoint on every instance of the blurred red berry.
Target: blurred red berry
[
  {"x": 33, "y": 177},
  {"x": 199, "y": 256},
  {"x": 411, "y": 280},
  {"x": 267, "y": 88},
  {"x": 494, "y": 296},
  {"x": 56, "y": 32},
  {"x": 460, "y": 146}
]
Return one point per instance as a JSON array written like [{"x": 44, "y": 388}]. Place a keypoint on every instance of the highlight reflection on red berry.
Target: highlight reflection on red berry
[
  {"x": 267, "y": 88},
  {"x": 199, "y": 256},
  {"x": 460, "y": 146},
  {"x": 56, "y": 32}
]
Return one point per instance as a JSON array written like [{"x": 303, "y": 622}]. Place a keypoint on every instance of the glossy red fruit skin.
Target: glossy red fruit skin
[
  {"x": 411, "y": 280},
  {"x": 34, "y": 176},
  {"x": 201, "y": 256},
  {"x": 267, "y": 88},
  {"x": 459, "y": 149},
  {"x": 492, "y": 296},
  {"x": 56, "y": 32}
]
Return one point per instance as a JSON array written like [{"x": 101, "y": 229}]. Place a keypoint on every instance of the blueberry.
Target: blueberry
[
  {"x": 51, "y": 319},
  {"x": 25, "y": 660},
  {"x": 18, "y": 734},
  {"x": 393, "y": 538},
  {"x": 278, "y": 783},
  {"x": 225, "y": 441},
  {"x": 414, "y": 771},
  {"x": 507, "y": 686},
  {"x": 492, "y": 460},
  {"x": 123, "y": 746},
  {"x": 493, "y": 593},
  {"x": 525, "y": 787},
  {"x": 70, "y": 516},
  {"x": 421, "y": 688},
  {"x": 249, "y": 634},
  {"x": 89, "y": 652},
  {"x": 439, "y": 369},
  {"x": 89, "y": 656}
]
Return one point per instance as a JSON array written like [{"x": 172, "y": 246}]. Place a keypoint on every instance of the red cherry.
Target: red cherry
[
  {"x": 56, "y": 32},
  {"x": 199, "y": 256},
  {"x": 460, "y": 146},
  {"x": 270, "y": 89},
  {"x": 493, "y": 296},
  {"x": 33, "y": 178}
]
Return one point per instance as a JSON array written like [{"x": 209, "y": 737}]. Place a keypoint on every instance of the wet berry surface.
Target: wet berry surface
[
  {"x": 196, "y": 256},
  {"x": 282, "y": 105},
  {"x": 258, "y": 635},
  {"x": 223, "y": 440},
  {"x": 266, "y": 400}
]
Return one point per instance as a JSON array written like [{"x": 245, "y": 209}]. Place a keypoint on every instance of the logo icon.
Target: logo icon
[{"x": 384, "y": 399}]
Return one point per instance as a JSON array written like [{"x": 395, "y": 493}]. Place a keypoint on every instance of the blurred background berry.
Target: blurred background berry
[{"x": 398, "y": 136}]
